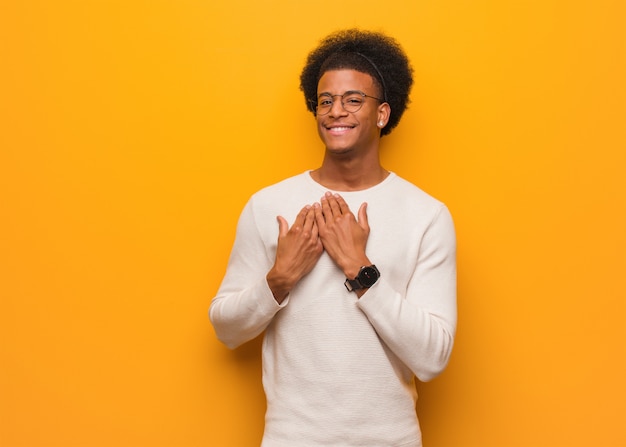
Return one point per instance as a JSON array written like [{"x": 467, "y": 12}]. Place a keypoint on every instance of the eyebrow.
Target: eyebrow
[{"x": 340, "y": 94}]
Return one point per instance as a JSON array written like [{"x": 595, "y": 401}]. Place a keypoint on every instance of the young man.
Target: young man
[{"x": 348, "y": 269}]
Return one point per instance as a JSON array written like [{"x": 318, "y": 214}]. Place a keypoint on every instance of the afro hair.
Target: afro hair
[{"x": 368, "y": 52}]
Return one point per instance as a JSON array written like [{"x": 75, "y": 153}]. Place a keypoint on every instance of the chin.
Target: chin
[
  {"x": 339, "y": 151},
  {"x": 338, "y": 147}
]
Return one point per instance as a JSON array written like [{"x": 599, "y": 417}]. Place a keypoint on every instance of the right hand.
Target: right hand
[{"x": 299, "y": 248}]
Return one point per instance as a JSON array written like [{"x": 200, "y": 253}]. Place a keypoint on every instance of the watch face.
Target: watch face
[{"x": 368, "y": 276}]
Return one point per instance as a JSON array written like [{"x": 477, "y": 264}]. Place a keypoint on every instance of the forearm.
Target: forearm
[
  {"x": 281, "y": 281},
  {"x": 421, "y": 338},
  {"x": 240, "y": 316},
  {"x": 418, "y": 320}
]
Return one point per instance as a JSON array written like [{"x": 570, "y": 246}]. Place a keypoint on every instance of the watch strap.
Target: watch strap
[{"x": 353, "y": 284}]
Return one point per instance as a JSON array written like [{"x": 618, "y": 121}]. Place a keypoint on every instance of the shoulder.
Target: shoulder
[
  {"x": 428, "y": 215},
  {"x": 284, "y": 198},
  {"x": 412, "y": 197},
  {"x": 284, "y": 187}
]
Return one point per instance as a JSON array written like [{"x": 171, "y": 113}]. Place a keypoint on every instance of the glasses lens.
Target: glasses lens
[
  {"x": 324, "y": 104},
  {"x": 352, "y": 101}
]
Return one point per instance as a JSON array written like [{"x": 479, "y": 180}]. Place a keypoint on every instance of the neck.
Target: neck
[{"x": 349, "y": 174}]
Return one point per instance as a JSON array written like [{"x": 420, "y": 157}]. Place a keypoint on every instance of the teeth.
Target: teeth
[{"x": 339, "y": 128}]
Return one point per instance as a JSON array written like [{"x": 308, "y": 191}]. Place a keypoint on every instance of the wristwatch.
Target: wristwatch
[{"x": 367, "y": 277}]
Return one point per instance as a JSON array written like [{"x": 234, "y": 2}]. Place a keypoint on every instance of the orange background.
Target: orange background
[{"x": 133, "y": 132}]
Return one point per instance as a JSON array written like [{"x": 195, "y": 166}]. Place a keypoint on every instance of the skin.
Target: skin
[
  {"x": 351, "y": 163},
  {"x": 351, "y": 159}
]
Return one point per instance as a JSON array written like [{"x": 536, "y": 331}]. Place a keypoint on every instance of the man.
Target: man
[{"x": 355, "y": 284}]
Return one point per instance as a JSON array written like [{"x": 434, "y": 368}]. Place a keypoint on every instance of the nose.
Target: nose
[{"x": 336, "y": 109}]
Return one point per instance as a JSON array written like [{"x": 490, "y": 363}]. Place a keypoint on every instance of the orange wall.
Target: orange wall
[{"x": 133, "y": 132}]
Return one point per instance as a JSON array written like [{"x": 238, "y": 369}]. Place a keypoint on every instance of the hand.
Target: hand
[
  {"x": 299, "y": 248},
  {"x": 343, "y": 236}
]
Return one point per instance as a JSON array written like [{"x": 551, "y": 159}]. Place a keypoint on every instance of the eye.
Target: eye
[{"x": 353, "y": 100}]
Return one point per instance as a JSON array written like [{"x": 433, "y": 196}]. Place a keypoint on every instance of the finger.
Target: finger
[
  {"x": 343, "y": 206},
  {"x": 309, "y": 219},
  {"x": 363, "y": 222},
  {"x": 334, "y": 205},
  {"x": 314, "y": 226},
  {"x": 283, "y": 226},
  {"x": 326, "y": 209},
  {"x": 300, "y": 218},
  {"x": 315, "y": 230},
  {"x": 319, "y": 215}
]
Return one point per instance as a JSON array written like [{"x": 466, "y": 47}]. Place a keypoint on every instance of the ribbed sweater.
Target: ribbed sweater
[{"x": 338, "y": 370}]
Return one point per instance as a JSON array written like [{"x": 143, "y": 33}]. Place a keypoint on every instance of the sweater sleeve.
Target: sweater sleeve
[
  {"x": 419, "y": 324},
  {"x": 244, "y": 304}
]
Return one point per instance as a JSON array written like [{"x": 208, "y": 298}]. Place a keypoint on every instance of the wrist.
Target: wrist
[
  {"x": 353, "y": 267},
  {"x": 366, "y": 278},
  {"x": 279, "y": 284}
]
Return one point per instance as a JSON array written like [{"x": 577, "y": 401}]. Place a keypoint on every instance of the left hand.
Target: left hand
[{"x": 343, "y": 236}]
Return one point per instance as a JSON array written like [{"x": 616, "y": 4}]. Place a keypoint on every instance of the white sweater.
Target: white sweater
[{"x": 337, "y": 370}]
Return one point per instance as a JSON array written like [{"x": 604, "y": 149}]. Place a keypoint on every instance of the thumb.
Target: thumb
[
  {"x": 283, "y": 226},
  {"x": 363, "y": 222}
]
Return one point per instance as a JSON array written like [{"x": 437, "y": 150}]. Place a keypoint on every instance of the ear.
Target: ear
[{"x": 384, "y": 112}]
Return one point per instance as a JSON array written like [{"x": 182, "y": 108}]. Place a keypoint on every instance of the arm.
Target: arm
[
  {"x": 419, "y": 326},
  {"x": 244, "y": 304},
  {"x": 255, "y": 287}
]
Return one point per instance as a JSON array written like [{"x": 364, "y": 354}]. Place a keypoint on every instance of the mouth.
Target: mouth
[{"x": 338, "y": 129}]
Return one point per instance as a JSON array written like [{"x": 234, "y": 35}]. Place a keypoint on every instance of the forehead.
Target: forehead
[{"x": 339, "y": 81}]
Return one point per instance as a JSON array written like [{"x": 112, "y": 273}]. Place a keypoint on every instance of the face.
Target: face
[{"x": 346, "y": 133}]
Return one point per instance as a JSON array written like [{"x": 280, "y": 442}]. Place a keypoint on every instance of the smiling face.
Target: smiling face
[{"x": 346, "y": 133}]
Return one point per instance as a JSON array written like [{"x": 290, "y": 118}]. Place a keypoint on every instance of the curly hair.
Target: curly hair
[{"x": 368, "y": 52}]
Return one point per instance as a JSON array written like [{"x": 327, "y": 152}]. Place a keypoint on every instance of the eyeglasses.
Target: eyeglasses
[{"x": 351, "y": 101}]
